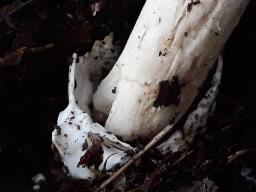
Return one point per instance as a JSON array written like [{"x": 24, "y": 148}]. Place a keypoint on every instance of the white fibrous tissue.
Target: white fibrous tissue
[
  {"x": 85, "y": 147},
  {"x": 196, "y": 119}
]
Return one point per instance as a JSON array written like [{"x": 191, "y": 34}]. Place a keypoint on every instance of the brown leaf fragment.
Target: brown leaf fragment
[{"x": 94, "y": 153}]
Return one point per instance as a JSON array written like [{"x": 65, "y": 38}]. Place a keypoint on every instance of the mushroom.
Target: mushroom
[
  {"x": 168, "y": 55},
  {"x": 167, "y": 58}
]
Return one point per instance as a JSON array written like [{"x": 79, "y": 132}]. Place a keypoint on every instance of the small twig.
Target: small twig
[
  {"x": 39, "y": 49},
  {"x": 181, "y": 158},
  {"x": 12, "y": 8},
  {"x": 14, "y": 57},
  {"x": 239, "y": 154},
  {"x": 137, "y": 156},
  {"x": 112, "y": 144},
  {"x": 8, "y": 10}
]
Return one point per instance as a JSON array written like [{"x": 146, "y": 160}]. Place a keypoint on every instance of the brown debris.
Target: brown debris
[
  {"x": 151, "y": 180},
  {"x": 191, "y": 4},
  {"x": 96, "y": 7},
  {"x": 94, "y": 154},
  {"x": 169, "y": 92}
]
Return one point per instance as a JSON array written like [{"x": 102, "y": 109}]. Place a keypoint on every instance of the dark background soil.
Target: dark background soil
[{"x": 33, "y": 90}]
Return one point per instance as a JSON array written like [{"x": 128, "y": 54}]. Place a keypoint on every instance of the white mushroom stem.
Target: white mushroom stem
[{"x": 169, "y": 53}]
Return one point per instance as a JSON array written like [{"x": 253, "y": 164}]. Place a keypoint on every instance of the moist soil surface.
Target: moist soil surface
[{"x": 33, "y": 90}]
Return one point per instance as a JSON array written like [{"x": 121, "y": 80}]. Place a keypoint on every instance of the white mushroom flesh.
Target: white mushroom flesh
[{"x": 170, "y": 51}]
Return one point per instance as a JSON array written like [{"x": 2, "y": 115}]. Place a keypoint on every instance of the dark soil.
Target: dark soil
[{"x": 33, "y": 90}]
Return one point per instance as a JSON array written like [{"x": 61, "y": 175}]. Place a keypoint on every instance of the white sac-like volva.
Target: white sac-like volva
[{"x": 75, "y": 131}]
